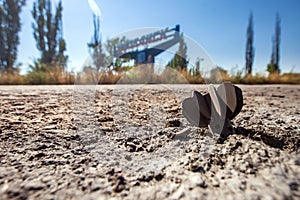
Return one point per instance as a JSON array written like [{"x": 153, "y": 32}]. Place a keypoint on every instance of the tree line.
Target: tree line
[{"x": 48, "y": 35}]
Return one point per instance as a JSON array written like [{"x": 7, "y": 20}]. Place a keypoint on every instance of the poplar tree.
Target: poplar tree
[
  {"x": 48, "y": 33},
  {"x": 273, "y": 67},
  {"x": 249, "y": 46},
  {"x": 95, "y": 47},
  {"x": 10, "y": 26}
]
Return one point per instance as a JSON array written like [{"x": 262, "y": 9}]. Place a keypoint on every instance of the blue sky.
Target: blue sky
[{"x": 219, "y": 26}]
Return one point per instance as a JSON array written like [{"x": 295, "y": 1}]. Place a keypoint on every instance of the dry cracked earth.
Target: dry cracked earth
[{"x": 132, "y": 142}]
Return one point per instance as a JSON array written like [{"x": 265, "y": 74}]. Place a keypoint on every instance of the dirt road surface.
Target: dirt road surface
[{"x": 132, "y": 142}]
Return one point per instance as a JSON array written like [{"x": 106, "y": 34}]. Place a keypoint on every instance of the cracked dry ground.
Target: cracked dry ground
[{"x": 48, "y": 152}]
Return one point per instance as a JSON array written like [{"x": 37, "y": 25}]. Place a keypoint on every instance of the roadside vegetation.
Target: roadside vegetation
[{"x": 121, "y": 77}]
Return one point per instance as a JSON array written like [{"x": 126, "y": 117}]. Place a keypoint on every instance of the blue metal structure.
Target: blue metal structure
[{"x": 128, "y": 49}]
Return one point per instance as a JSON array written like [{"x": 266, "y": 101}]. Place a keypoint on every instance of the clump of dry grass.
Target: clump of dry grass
[
  {"x": 286, "y": 78},
  {"x": 38, "y": 78},
  {"x": 11, "y": 79},
  {"x": 290, "y": 78},
  {"x": 49, "y": 78}
]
